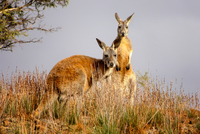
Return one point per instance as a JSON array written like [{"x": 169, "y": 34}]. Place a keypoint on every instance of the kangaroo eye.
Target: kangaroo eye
[
  {"x": 106, "y": 55},
  {"x": 127, "y": 27},
  {"x": 115, "y": 55},
  {"x": 119, "y": 26}
]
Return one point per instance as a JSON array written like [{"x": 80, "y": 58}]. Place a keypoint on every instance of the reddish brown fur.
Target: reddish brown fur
[
  {"x": 125, "y": 75},
  {"x": 62, "y": 73},
  {"x": 75, "y": 75}
]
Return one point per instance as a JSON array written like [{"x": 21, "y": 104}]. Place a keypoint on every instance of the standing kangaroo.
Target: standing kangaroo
[
  {"x": 124, "y": 74},
  {"x": 75, "y": 75}
]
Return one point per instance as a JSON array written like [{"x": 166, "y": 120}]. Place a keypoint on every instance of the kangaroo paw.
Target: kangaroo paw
[
  {"x": 118, "y": 68},
  {"x": 128, "y": 66}
]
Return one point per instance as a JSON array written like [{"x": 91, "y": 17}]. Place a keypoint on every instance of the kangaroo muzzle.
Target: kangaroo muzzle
[{"x": 111, "y": 64}]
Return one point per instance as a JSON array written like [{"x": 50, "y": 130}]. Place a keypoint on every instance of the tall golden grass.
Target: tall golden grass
[{"x": 157, "y": 108}]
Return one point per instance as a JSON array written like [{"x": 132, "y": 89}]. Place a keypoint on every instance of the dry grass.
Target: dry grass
[{"x": 103, "y": 109}]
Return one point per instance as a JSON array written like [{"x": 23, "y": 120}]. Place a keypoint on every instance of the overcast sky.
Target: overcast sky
[{"x": 165, "y": 36}]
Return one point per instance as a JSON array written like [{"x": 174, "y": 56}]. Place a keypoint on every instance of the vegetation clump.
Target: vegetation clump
[{"x": 103, "y": 109}]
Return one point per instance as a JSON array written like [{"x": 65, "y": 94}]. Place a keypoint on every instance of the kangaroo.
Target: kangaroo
[
  {"x": 75, "y": 75},
  {"x": 124, "y": 74},
  {"x": 126, "y": 50}
]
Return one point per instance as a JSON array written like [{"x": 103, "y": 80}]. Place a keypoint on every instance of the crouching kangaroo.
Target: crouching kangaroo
[
  {"x": 124, "y": 75},
  {"x": 75, "y": 75}
]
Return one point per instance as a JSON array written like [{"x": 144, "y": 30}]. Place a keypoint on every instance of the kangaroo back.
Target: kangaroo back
[{"x": 76, "y": 74}]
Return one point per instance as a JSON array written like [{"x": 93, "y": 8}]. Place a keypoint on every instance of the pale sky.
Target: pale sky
[{"x": 165, "y": 36}]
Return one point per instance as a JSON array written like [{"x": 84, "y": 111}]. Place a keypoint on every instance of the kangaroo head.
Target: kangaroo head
[
  {"x": 123, "y": 25},
  {"x": 109, "y": 54}
]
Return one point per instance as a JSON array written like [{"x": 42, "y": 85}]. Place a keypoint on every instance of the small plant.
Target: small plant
[
  {"x": 143, "y": 80},
  {"x": 198, "y": 126},
  {"x": 106, "y": 125}
]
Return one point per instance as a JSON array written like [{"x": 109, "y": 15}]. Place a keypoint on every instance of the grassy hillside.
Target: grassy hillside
[{"x": 157, "y": 108}]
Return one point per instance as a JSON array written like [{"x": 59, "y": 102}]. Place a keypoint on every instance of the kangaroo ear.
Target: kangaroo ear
[
  {"x": 129, "y": 19},
  {"x": 116, "y": 44},
  {"x": 118, "y": 18},
  {"x": 101, "y": 44}
]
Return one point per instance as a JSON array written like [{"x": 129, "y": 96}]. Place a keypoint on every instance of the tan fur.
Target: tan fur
[
  {"x": 124, "y": 75},
  {"x": 75, "y": 75}
]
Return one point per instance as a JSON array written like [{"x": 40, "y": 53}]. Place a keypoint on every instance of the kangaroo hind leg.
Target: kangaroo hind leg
[{"x": 48, "y": 98}]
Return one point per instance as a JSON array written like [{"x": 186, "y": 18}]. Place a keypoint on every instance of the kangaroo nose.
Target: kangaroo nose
[
  {"x": 123, "y": 34},
  {"x": 111, "y": 64}
]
